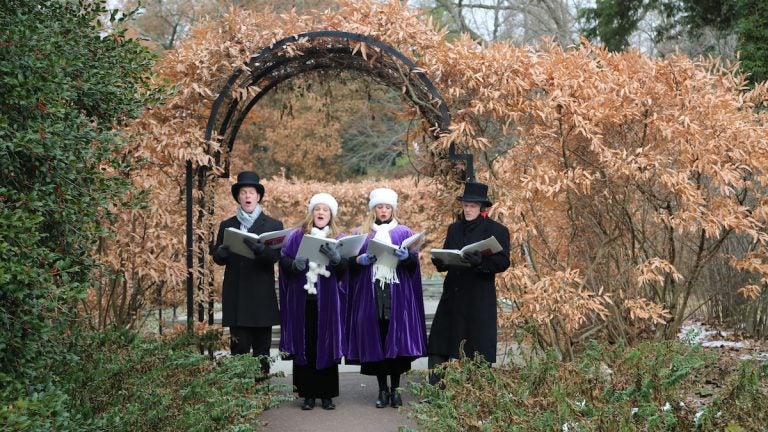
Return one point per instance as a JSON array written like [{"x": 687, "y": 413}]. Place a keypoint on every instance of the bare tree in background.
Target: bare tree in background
[
  {"x": 523, "y": 21},
  {"x": 166, "y": 22}
]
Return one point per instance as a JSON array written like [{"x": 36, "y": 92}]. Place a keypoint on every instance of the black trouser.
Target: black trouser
[
  {"x": 435, "y": 360},
  {"x": 432, "y": 361},
  {"x": 259, "y": 339}
]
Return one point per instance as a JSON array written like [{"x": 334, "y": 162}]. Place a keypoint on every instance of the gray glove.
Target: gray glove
[
  {"x": 255, "y": 246},
  {"x": 221, "y": 253},
  {"x": 330, "y": 251},
  {"x": 299, "y": 265},
  {"x": 402, "y": 254},
  {"x": 366, "y": 259}
]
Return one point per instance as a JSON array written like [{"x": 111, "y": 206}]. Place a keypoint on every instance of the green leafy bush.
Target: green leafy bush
[
  {"x": 66, "y": 88},
  {"x": 120, "y": 382},
  {"x": 654, "y": 386}
]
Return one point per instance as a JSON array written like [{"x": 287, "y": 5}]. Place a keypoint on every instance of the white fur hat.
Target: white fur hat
[
  {"x": 323, "y": 198},
  {"x": 382, "y": 196}
]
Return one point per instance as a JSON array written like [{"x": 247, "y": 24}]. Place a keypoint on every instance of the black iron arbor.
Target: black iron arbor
[{"x": 288, "y": 58}]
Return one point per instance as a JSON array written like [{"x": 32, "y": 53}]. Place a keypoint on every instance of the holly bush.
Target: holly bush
[{"x": 69, "y": 79}]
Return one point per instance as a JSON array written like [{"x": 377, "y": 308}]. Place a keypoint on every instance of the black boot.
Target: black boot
[
  {"x": 396, "y": 400},
  {"x": 383, "y": 399},
  {"x": 328, "y": 404},
  {"x": 309, "y": 403}
]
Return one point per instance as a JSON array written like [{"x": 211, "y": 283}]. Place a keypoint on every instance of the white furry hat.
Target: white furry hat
[
  {"x": 382, "y": 196},
  {"x": 323, "y": 198}
]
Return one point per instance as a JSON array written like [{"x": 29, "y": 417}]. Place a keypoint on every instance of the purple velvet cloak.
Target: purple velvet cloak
[
  {"x": 407, "y": 332},
  {"x": 331, "y": 296}
]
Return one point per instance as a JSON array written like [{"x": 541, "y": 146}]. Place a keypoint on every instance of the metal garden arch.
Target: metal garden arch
[{"x": 293, "y": 56}]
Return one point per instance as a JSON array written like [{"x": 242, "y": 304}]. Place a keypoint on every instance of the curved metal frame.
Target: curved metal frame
[{"x": 270, "y": 67}]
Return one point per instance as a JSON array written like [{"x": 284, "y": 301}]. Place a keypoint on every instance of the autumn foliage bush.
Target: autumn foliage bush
[{"x": 619, "y": 175}]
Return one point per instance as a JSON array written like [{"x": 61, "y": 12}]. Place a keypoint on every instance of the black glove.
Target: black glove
[
  {"x": 221, "y": 253},
  {"x": 299, "y": 265},
  {"x": 254, "y": 245},
  {"x": 438, "y": 263},
  {"x": 330, "y": 251},
  {"x": 474, "y": 258}
]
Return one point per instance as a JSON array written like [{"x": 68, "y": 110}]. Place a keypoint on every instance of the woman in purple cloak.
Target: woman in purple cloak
[
  {"x": 386, "y": 328},
  {"x": 311, "y": 306}
]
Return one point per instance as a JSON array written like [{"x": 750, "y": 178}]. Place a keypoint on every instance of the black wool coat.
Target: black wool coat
[
  {"x": 467, "y": 307},
  {"x": 248, "y": 294}
]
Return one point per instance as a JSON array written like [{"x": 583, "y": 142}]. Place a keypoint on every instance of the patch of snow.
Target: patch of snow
[
  {"x": 761, "y": 357},
  {"x": 724, "y": 344},
  {"x": 694, "y": 333},
  {"x": 697, "y": 416}
]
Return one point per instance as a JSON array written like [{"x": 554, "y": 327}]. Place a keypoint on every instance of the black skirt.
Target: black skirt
[
  {"x": 388, "y": 366},
  {"x": 309, "y": 381}
]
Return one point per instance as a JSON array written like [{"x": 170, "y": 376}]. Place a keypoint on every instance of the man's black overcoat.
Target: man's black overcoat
[
  {"x": 467, "y": 307},
  {"x": 248, "y": 295}
]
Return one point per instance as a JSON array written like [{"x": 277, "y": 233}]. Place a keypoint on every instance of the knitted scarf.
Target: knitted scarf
[
  {"x": 247, "y": 219},
  {"x": 383, "y": 273}
]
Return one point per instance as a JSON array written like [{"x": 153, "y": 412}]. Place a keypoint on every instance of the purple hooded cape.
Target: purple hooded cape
[
  {"x": 330, "y": 298},
  {"x": 407, "y": 334}
]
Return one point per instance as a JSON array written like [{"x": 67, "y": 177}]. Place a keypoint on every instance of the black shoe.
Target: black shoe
[
  {"x": 309, "y": 403},
  {"x": 328, "y": 404},
  {"x": 258, "y": 379},
  {"x": 396, "y": 400},
  {"x": 383, "y": 399}
]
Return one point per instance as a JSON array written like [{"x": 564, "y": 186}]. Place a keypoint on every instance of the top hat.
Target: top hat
[
  {"x": 476, "y": 192},
  {"x": 248, "y": 178}
]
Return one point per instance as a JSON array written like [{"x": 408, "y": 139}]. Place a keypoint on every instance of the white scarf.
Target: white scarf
[
  {"x": 315, "y": 270},
  {"x": 247, "y": 219},
  {"x": 383, "y": 273}
]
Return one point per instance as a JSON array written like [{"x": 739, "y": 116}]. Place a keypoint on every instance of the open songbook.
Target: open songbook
[
  {"x": 233, "y": 238},
  {"x": 385, "y": 252},
  {"x": 347, "y": 247},
  {"x": 486, "y": 247}
]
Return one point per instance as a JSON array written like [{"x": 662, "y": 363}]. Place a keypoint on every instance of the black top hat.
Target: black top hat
[
  {"x": 476, "y": 192},
  {"x": 247, "y": 178}
]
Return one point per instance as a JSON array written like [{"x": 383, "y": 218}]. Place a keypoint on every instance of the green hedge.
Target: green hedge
[{"x": 65, "y": 88}]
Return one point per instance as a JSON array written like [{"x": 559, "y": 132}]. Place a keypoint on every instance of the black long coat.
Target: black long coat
[
  {"x": 467, "y": 307},
  {"x": 248, "y": 295}
]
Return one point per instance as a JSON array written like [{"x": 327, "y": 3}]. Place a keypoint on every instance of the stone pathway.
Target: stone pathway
[
  {"x": 355, "y": 409},
  {"x": 355, "y": 406}
]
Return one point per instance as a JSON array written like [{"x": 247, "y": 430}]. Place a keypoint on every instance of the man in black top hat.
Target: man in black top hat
[
  {"x": 249, "y": 300},
  {"x": 467, "y": 308}
]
